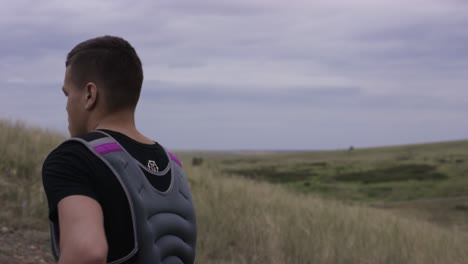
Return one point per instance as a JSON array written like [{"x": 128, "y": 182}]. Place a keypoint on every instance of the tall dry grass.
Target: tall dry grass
[
  {"x": 22, "y": 152},
  {"x": 242, "y": 221}
]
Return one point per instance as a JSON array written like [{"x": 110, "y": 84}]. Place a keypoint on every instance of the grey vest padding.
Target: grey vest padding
[{"x": 164, "y": 222}]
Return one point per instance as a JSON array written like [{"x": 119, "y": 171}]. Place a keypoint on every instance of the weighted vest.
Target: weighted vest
[{"x": 163, "y": 222}]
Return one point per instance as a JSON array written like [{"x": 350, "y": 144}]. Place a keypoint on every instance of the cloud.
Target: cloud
[{"x": 286, "y": 67}]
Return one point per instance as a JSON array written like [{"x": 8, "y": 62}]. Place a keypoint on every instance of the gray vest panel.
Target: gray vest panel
[{"x": 164, "y": 222}]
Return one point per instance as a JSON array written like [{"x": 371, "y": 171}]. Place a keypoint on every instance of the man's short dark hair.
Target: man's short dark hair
[{"x": 112, "y": 63}]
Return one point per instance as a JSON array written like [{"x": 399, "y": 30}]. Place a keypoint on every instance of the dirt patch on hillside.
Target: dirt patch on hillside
[{"x": 24, "y": 246}]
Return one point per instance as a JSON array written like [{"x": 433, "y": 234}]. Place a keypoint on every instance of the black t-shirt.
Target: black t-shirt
[{"x": 71, "y": 169}]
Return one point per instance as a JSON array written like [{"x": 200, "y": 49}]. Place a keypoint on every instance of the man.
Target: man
[{"x": 114, "y": 195}]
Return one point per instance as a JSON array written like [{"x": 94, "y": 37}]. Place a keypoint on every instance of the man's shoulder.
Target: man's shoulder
[
  {"x": 72, "y": 148},
  {"x": 66, "y": 147},
  {"x": 69, "y": 159}
]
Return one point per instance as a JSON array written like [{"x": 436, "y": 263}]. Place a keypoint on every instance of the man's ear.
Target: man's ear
[{"x": 91, "y": 96}]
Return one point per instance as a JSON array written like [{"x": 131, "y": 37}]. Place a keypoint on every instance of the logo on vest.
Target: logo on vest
[{"x": 152, "y": 166}]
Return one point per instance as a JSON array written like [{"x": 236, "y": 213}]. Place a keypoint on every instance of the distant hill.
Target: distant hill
[{"x": 427, "y": 181}]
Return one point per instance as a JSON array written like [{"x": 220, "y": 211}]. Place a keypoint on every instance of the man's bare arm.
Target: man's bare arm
[{"x": 82, "y": 235}]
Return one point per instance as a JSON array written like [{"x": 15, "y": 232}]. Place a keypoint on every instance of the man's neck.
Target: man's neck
[{"x": 123, "y": 123}]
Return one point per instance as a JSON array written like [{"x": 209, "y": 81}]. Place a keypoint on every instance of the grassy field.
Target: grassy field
[
  {"x": 304, "y": 207},
  {"x": 428, "y": 181},
  {"x": 391, "y": 173}
]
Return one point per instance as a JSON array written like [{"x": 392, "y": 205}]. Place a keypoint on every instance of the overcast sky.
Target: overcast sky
[{"x": 256, "y": 74}]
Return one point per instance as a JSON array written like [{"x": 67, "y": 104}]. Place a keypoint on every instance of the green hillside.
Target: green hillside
[
  {"x": 425, "y": 180},
  {"x": 389, "y": 173}
]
